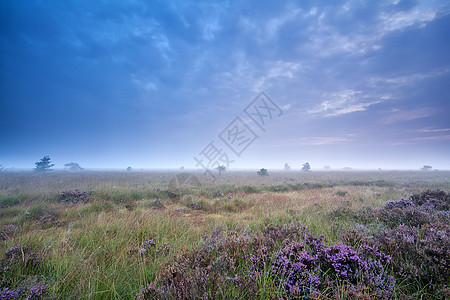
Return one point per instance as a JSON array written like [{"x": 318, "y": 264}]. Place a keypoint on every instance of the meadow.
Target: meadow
[{"x": 288, "y": 235}]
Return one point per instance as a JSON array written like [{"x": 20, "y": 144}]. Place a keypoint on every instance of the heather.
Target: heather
[
  {"x": 416, "y": 234},
  {"x": 288, "y": 235},
  {"x": 20, "y": 259},
  {"x": 280, "y": 261}
]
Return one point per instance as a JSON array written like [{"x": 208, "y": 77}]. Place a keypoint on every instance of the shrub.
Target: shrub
[
  {"x": 341, "y": 193},
  {"x": 417, "y": 239},
  {"x": 36, "y": 291},
  {"x": 157, "y": 204},
  {"x": 18, "y": 271},
  {"x": 437, "y": 200},
  {"x": 40, "y": 212},
  {"x": 237, "y": 264},
  {"x": 279, "y": 188},
  {"x": 249, "y": 189},
  {"x": 7, "y": 202},
  {"x": 7, "y": 231},
  {"x": 420, "y": 256},
  {"x": 75, "y": 196},
  {"x": 262, "y": 172}
]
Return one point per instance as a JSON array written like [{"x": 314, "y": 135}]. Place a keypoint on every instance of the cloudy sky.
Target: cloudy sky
[{"x": 164, "y": 84}]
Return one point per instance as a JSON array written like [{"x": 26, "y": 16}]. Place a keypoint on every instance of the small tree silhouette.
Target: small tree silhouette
[
  {"x": 129, "y": 169},
  {"x": 263, "y": 172},
  {"x": 287, "y": 167},
  {"x": 72, "y": 166},
  {"x": 2, "y": 167},
  {"x": 221, "y": 169},
  {"x": 306, "y": 167},
  {"x": 44, "y": 165},
  {"x": 426, "y": 168}
]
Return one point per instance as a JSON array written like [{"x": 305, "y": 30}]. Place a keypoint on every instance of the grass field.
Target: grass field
[{"x": 117, "y": 235}]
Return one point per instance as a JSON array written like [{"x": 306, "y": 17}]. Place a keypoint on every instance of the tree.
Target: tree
[
  {"x": 327, "y": 168},
  {"x": 426, "y": 168},
  {"x": 129, "y": 169},
  {"x": 2, "y": 168},
  {"x": 221, "y": 169},
  {"x": 44, "y": 165},
  {"x": 263, "y": 172},
  {"x": 306, "y": 167},
  {"x": 287, "y": 167},
  {"x": 72, "y": 166}
]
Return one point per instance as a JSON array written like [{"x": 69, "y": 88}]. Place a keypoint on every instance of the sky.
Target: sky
[{"x": 246, "y": 84}]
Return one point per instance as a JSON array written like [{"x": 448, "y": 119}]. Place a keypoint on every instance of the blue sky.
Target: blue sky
[{"x": 149, "y": 84}]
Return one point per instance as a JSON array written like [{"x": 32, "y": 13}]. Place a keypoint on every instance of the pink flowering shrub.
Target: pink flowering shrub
[
  {"x": 234, "y": 264},
  {"x": 20, "y": 258},
  {"x": 416, "y": 235}
]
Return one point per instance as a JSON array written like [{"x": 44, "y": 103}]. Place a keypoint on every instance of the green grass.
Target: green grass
[{"x": 91, "y": 250}]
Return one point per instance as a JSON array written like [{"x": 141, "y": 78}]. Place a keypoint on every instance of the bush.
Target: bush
[
  {"x": 341, "y": 193},
  {"x": 421, "y": 256},
  {"x": 7, "y": 202},
  {"x": 279, "y": 188},
  {"x": 18, "y": 269},
  {"x": 437, "y": 200},
  {"x": 75, "y": 196},
  {"x": 36, "y": 291},
  {"x": 262, "y": 172},
  {"x": 417, "y": 239},
  {"x": 39, "y": 211},
  {"x": 237, "y": 264}
]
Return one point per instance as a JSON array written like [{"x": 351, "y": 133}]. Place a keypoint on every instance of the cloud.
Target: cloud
[
  {"x": 210, "y": 29},
  {"x": 399, "y": 115},
  {"x": 400, "y": 81},
  {"x": 265, "y": 30},
  {"x": 433, "y": 138},
  {"x": 311, "y": 141},
  {"x": 330, "y": 34},
  {"x": 342, "y": 103},
  {"x": 429, "y": 130},
  {"x": 416, "y": 140},
  {"x": 276, "y": 70},
  {"x": 399, "y": 20}
]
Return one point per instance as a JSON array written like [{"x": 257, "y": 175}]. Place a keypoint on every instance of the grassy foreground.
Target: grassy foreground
[{"x": 100, "y": 235}]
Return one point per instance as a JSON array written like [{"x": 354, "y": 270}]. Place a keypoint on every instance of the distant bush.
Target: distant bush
[
  {"x": 306, "y": 167},
  {"x": 279, "y": 188},
  {"x": 341, "y": 193},
  {"x": 262, "y": 172},
  {"x": 72, "y": 166},
  {"x": 249, "y": 189}
]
